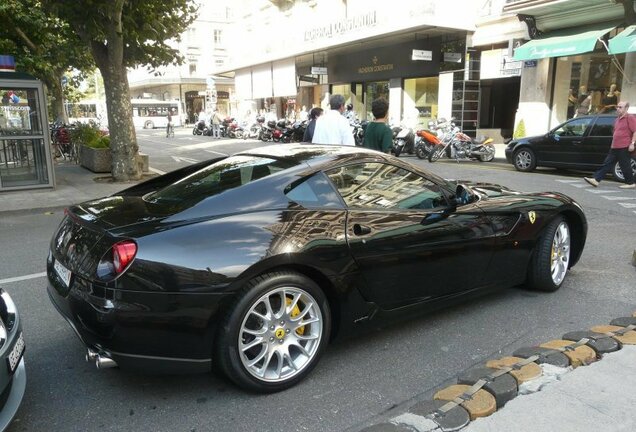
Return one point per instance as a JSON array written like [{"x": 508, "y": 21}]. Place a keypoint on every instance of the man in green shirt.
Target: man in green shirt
[{"x": 378, "y": 135}]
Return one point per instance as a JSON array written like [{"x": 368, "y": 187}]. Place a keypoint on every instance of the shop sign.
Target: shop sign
[
  {"x": 342, "y": 26},
  {"x": 310, "y": 79},
  {"x": 422, "y": 55},
  {"x": 202, "y": 93},
  {"x": 317, "y": 70},
  {"x": 530, "y": 63},
  {"x": 375, "y": 66},
  {"x": 450, "y": 57},
  {"x": 222, "y": 94}
]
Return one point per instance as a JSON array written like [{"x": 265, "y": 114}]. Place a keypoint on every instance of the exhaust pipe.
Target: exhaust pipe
[{"x": 101, "y": 360}]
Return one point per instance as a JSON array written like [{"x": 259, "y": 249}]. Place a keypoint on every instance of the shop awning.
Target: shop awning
[
  {"x": 562, "y": 43},
  {"x": 623, "y": 42}
]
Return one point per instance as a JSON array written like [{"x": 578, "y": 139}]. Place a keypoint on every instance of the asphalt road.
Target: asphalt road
[{"x": 359, "y": 381}]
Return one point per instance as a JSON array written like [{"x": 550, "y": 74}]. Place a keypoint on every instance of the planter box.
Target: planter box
[{"x": 97, "y": 160}]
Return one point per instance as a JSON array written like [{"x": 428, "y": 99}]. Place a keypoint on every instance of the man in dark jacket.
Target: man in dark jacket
[{"x": 309, "y": 131}]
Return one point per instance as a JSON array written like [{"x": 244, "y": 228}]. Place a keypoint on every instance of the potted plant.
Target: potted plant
[{"x": 94, "y": 148}]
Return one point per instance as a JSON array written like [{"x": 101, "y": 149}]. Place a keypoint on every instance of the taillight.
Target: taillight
[
  {"x": 123, "y": 254},
  {"x": 116, "y": 260}
]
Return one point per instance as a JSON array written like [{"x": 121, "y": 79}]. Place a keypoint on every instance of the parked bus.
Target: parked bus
[
  {"x": 149, "y": 113},
  {"x": 87, "y": 110}
]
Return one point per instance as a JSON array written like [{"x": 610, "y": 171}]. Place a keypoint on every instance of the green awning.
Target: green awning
[
  {"x": 562, "y": 43},
  {"x": 623, "y": 42}
]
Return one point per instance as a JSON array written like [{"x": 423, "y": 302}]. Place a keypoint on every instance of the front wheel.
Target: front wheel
[
  {"x": 618, "y": 173},
  {"x": 399, "y": 145},
  {"x": 524, "y": 160},
  {"x": 550, "y": 260},
  {"x": 421, "y": 152},
  {"x": 438, "y": 152},
  {"x": 275, "y": 332}
]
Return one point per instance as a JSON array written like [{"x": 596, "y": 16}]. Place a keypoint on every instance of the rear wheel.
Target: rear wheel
[
  {"x": 490, "y": 148},
  {"x": 524, "y": 160},
  {"x": 551, "y": 257},
  {"x": 420, "y": 151},
  {"x": 275, "y": 333},
  {"x": 438, "y": 152},
  {"x": 618, "y": 173}
]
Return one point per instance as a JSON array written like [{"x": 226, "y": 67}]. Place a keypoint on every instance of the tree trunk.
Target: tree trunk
[
  {"x": 57, "y": 103},
  {"x": 123, "y": 141}
]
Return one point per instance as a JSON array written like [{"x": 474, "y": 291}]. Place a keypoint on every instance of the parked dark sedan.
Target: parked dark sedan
[
  {"x": 580, "y": 143},
  {"x": 255, "y": 261},
  {"x": 13, "y": 373}
]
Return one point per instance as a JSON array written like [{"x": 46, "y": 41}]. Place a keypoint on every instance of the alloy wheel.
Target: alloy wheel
[
  {"x": 560, "y": 255},
  {"x": 280, "y": 334}
]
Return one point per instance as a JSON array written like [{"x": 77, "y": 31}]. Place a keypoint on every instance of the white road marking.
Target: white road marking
[
  {"x": 215, "y": 152},
  {"x": 21, "y": 278},
  {"x": 184, "y": 159},
  {"x": 199, "y": 146},
  {"x": 568, "y": 180},
  {"x": 628, "y": 205},
  {"x": 615, "y": 198},
  {"x": 600, "y": 191},
  {"x": 156, "y": 171}
]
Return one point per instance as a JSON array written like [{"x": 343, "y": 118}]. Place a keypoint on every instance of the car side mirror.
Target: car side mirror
[{"x": 464, "y": 195}]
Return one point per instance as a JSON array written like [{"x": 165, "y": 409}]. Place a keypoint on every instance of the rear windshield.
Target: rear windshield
[{"x": 217, "y": 178}]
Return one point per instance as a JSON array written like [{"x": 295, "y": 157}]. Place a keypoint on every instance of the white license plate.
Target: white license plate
[
  {"x": 62, "y": 272},
  {"x": 16, "y": 354}
]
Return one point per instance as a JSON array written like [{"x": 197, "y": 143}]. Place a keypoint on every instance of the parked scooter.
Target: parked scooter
[
  {"x": 404, "y": 141},
  {"x": 200, "y": 128}
]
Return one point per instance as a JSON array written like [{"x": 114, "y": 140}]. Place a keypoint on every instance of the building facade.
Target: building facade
[
  {"x": 292, "y": 55},
  {"x": 205, "y": 47}
]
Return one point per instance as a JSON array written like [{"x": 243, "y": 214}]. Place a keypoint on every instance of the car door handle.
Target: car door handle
[{"x": 361, "y": 229}]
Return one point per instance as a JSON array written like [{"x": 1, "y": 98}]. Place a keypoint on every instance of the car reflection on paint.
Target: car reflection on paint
[
  {"x": 255, "y": 261},
  {"x": 580, "y": 143}
]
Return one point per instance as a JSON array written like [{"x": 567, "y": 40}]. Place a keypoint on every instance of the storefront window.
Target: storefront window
[
  {"x": 587, "y": 84},
  {"x": 420, "y": 101},
  {"x": 379, "y": 89}
]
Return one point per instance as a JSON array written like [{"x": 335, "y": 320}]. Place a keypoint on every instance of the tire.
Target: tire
[
  {"x": 551, "y": 257},
  {"x": 398, "y": 148},
  {"x": 489, "y": 157},
  {"x": 524, "y": 160},
  {"x": 286, "y": 353},
  {"x": 420, "y": 152},
  {"x": 436, "y": 153},
  {"x": 194, "y": 131},
  {"x": 149, "y": 125},
  {"x": 618, "y": 173}
]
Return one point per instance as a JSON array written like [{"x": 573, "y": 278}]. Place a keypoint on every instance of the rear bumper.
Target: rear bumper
[
  {"x": 149, "y": 332},
  {"x": 14, "y": 396}
]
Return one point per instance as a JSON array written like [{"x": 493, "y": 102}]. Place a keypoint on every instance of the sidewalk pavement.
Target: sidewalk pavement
[{"x": 74, "y": 184}]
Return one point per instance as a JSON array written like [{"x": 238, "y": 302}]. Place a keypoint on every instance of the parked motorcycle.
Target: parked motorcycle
[
  {"x": 425, "y": 141},
  {"x": 404, "y": 141},
  {"x": 200, "y": 128},
  {"x": 358, "y": 131},
  {"x": 462, "y": 146}
]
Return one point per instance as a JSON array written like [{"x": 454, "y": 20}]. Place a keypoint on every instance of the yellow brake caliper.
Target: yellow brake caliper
[{"x": 294, "y": 313}]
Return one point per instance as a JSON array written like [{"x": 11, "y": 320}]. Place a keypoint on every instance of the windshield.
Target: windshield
[{"x": 215, "y": 179}]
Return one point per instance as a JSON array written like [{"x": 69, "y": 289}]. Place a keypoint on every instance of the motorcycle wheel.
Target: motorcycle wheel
[
  {"x": 398, "y": 148},
  {"x": 194, "y": 131},
  {"x": 491, "y": 154},
  {"x": 438, "y": 152},
  {"x": 421, "y": 152}
]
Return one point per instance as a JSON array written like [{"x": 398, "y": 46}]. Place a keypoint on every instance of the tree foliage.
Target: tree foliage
[
  {"x": 43, "y": 46},
  {"x": 122, "y": 34}
]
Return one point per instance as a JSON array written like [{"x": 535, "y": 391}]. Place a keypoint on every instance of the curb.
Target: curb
[{"x": 484, "y": 390}]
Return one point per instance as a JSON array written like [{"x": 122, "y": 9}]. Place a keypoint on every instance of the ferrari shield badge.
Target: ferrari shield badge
[{"x": 532, "y": 216}]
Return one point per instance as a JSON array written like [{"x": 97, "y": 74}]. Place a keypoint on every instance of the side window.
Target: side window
[
  {"x": 604, "y": 127},
  {"x": 575, "y": 127},
  {"x": 383, "y": 186},
  {"x": 315, "y": 191}
]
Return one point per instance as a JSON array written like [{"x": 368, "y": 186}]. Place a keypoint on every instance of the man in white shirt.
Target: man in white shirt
[{"x": 332, "y": 127}]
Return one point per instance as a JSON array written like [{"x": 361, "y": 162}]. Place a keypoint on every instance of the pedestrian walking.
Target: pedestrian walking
[
  {"x": 311, "y": 125},
  {"x": 623, "y": 143},
  {"x": 378, "y": 135},
  {"x": 170, "y": 125},
  {"x": 216, "y": 124},
  {"x": 332, "y": 127}
]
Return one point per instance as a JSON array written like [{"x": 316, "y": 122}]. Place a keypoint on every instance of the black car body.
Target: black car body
[
  {"x": 580, "y": 143},
  {"x": 232, "y": 260}
]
